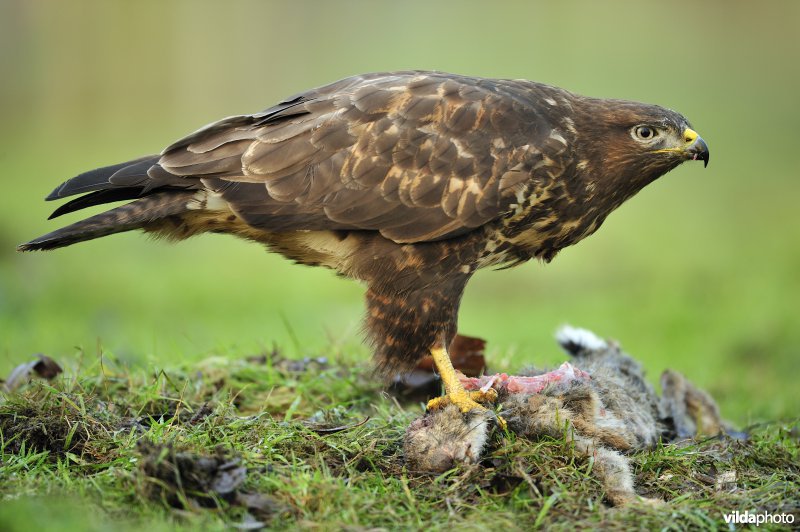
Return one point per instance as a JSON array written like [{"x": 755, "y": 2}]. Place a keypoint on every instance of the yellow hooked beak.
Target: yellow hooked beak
[{"x": 694, "y": 147}]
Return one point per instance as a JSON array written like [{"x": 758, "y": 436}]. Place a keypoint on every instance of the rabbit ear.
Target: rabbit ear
[{"x": 577, "y": 342}]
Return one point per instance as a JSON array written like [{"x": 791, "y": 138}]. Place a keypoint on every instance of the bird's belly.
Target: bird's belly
[
  {"x": 496, "y": 254},
  {"x": 331, "y": 249}
]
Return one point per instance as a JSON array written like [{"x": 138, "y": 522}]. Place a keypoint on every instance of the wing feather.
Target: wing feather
[{"x": 415, "y": 155}]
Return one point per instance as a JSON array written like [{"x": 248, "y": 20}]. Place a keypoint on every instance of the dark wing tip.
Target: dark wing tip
[
  {"x": 98, "y": 178},
  {"x": 100, "y": 197},
  {"x": 56, "y": 193}
]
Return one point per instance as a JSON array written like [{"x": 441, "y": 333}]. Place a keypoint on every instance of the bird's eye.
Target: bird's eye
[{"x": 644, "y": 132}]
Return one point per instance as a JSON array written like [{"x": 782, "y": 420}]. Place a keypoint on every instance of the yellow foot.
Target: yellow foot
[{"x": 467, "y": 401}]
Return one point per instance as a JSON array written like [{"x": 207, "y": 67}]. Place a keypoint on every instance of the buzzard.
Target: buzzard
[{"x": 407, "y": 181}]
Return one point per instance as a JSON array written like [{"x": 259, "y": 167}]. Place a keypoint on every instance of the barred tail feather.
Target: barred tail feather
[{"x": 134, "y": 215}]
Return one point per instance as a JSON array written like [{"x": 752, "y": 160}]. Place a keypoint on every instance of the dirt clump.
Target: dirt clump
[{"x": 190, "y": 480}]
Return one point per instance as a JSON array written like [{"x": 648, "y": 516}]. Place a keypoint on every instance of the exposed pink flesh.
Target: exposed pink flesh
[{"x": 525, "y": 385}]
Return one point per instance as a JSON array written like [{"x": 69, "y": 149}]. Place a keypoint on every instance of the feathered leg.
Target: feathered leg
[{"x": 404, "y": 327}]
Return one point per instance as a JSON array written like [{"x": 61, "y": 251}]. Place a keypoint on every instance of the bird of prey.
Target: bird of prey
[{"x": 407, "y": 181}]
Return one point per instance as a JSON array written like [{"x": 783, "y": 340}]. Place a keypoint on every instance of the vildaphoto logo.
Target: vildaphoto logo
[{"x": 757, "y": 518}]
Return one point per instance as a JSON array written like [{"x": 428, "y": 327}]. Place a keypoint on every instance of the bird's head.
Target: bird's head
[{"x": 631, "y": 144}]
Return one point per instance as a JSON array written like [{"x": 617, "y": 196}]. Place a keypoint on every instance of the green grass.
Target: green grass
[{"x": 98, "y": 448}]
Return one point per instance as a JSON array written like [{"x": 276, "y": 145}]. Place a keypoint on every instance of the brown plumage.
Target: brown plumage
[{"x": 409, "y": 181}]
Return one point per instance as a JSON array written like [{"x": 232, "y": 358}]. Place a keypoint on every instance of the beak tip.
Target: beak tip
[{"x": 699, "y": 150}]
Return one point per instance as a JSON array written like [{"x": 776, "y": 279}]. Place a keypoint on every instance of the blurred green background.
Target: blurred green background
[{"x": 700, "y": 272}]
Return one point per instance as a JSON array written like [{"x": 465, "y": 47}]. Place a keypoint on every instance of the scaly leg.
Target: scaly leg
[{"x": 454, "y": 390}]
